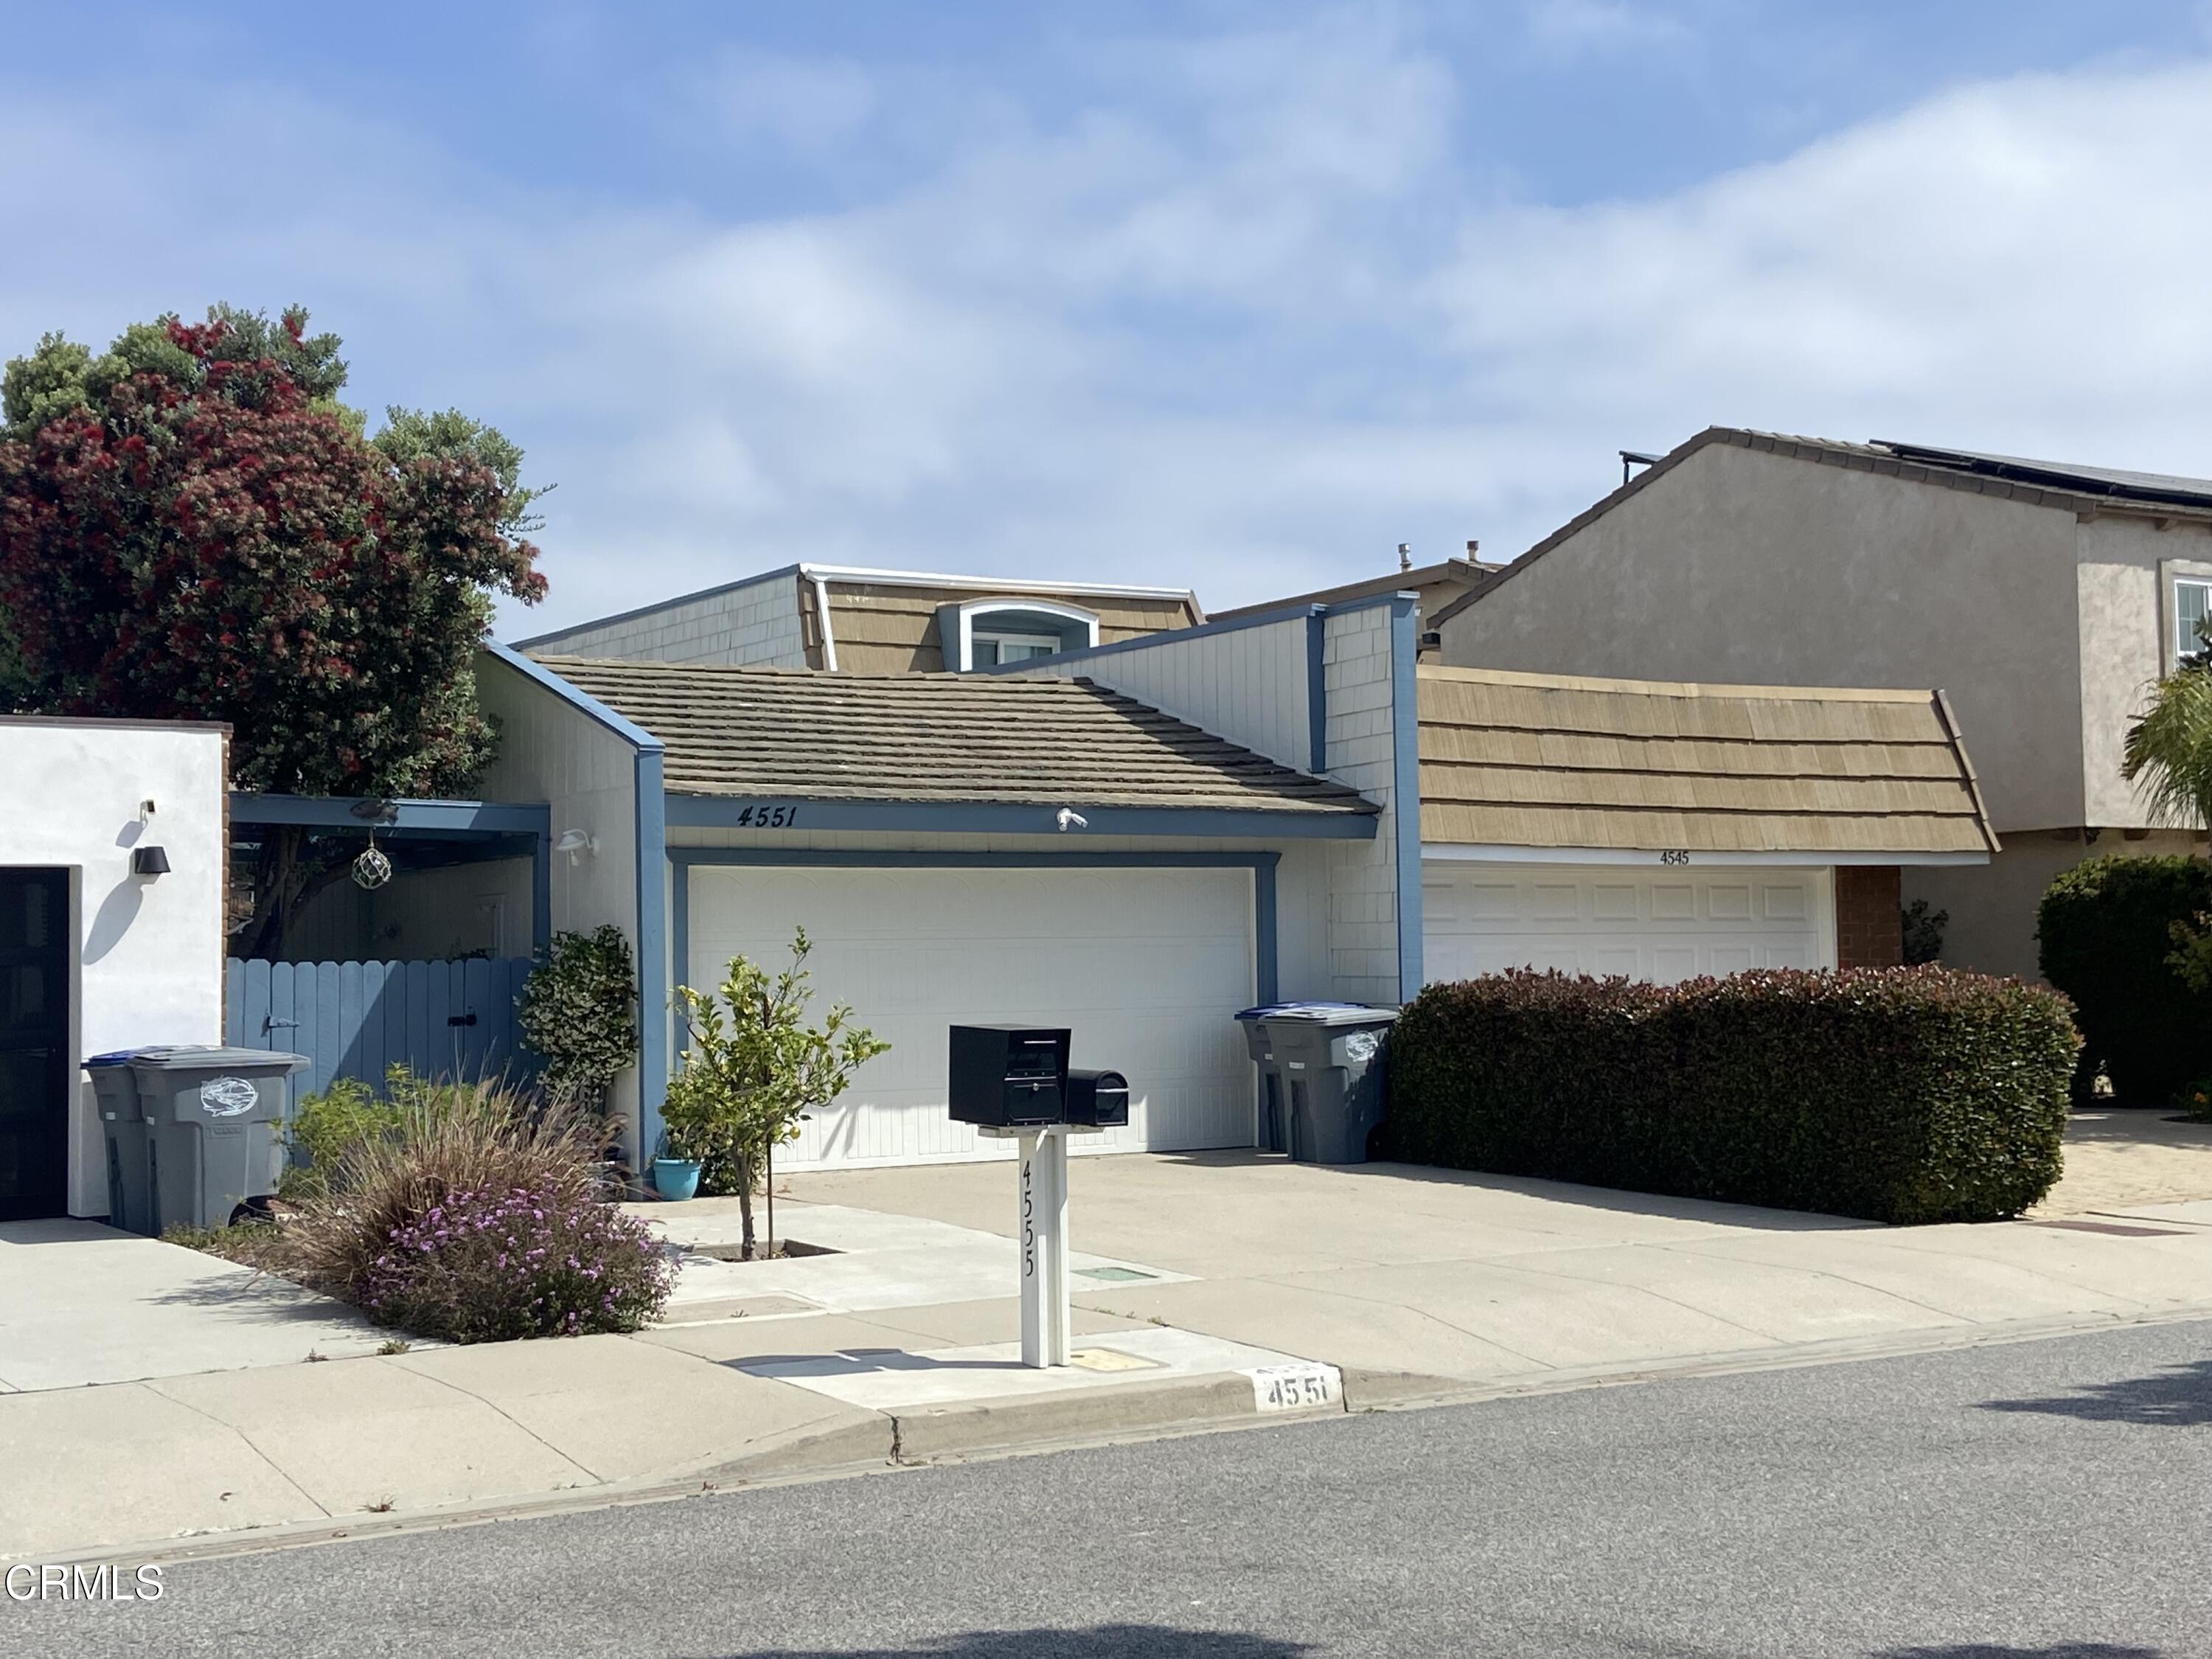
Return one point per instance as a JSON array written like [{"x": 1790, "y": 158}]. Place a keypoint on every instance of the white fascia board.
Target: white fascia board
[
  {"x": 853, "y": 573},
  {"x": 1443, "y": 851}
]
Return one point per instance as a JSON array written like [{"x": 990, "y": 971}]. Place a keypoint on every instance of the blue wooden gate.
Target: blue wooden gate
[{"x": 441, "y": 1019}]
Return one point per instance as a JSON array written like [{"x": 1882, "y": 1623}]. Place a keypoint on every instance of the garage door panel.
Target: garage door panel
[
  {"x": 1146, "y": 968},
  {"x": 1483, "y": 920}
]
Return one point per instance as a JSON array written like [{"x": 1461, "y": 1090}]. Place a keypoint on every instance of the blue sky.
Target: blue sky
[{"x": 1234, "y": 295}]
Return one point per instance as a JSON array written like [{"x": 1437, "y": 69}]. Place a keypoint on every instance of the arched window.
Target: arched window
[{"x": 984, "y": 633}]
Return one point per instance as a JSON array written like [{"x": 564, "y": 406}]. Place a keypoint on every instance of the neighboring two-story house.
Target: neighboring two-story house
[
  {"x": 2045, "y": 599},
  {"x": 877, "y": 622}
]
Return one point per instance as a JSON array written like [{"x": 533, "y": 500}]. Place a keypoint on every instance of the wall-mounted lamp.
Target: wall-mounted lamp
[
  {"x": 577, "y": 842},
  {"x": 149, "y": 861},
  {"x": 1069, "y": 819}
]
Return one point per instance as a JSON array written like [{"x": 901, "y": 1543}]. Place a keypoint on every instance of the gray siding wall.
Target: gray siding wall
[
  {"x": 756, "y": 624},
  {"x": 551, "y": 752},
  {"x": 1742, "y": 567}
]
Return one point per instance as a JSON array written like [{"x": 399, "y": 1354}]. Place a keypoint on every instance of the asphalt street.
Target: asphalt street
[{"x": 2047, "y": 1500}]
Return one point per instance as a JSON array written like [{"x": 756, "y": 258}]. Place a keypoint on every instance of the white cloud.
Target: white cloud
[
  {"x": 1574, "y": 28},
  {"x": 1237, "y": 318}
]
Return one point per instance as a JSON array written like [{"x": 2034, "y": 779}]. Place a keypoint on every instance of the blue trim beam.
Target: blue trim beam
[
  {"x": 1317, "y": 692},
  {"x": 447, "y": 817},
  {"x": 655, "y": 1025},
  {"x": 627, "y": 730},
  {"x": 1406, "y": 787},
  {"x": 956, "y": 818}
]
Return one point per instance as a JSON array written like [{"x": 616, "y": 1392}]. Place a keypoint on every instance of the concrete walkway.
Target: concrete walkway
[{"x": 1214, "y": 1288}]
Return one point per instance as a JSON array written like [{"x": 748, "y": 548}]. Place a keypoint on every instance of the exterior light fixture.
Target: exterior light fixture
[
  {"x": 149, "y": 861},
  {"x": 577, "y": 842},
  {"x": 1069, "y": 819}
]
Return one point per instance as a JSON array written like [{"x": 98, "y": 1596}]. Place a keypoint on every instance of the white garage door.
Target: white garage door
[
  {"x": 1146, "y": 966},
  {"x": 1482, "y": 918}
]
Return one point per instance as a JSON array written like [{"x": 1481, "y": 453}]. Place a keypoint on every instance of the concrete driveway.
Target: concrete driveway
[
  {"x": 1442, "y": 1280},
  {"x": 82, "y": 1303}
]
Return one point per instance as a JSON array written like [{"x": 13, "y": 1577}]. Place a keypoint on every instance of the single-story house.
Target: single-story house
[
  {"x": 112, "y": 876},
  {"x": 1138, "y": 838},
  {"x": 2046, "y": 598}
]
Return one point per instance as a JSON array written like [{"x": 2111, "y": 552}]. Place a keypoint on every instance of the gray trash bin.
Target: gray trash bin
[
  {"x": 1321, "y": 1076},
  {"x": 211, "y": 1121},
  {"x": 123, "y": 1123}
]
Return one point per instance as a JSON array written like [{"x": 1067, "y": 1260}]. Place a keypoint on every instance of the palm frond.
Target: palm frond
[{"x": 2168, "y": 755}]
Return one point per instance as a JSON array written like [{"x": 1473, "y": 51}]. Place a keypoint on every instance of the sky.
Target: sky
[{"x": 1227, "y": 295}]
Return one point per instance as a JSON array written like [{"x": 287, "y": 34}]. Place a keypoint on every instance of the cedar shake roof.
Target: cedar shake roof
[
  {"x": 940, "y": 737},
  {"x": 2085, "y": 491},
  {"x": 1543, "y": 760}
]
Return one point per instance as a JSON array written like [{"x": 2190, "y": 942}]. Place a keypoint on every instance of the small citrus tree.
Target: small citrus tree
[{"x": 754, "y": 1072}]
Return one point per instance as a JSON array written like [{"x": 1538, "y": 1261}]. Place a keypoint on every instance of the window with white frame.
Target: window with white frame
[
  {"x": 989, "y": 647},
  {"x": 2193, "y": 605}
]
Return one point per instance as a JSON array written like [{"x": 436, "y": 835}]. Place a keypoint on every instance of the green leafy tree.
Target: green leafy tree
[
  {"x": 754, "y": 1072},
  {"x": 579, "y": 1013},
  {"x": 191, "y": 526}
]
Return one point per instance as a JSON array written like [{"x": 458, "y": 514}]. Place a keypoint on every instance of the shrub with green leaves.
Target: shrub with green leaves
[
  {"x": 579, "y": 1014},
  {"x": 2107, "y": 928},
  {"x": 329, "y": 1126},
  {"x": 1901, "y": 1095}
]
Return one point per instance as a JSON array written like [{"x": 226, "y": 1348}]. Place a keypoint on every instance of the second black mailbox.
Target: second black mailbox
[{"x": 1008, "y": 1076}]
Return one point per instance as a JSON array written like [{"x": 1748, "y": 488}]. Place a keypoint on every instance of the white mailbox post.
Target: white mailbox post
[{"x": 1040, "y": 1236}]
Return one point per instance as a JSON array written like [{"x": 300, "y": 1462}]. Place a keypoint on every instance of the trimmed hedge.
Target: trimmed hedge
[
  {"x": 1901, "y": 1095},
  {"x": 2106, "y": 929}
]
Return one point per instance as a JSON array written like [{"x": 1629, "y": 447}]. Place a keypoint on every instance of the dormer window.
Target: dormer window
[{"x": 988, "y": 633}]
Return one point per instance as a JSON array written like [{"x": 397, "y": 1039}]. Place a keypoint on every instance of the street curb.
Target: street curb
[{"x": 883, "y": 1442}]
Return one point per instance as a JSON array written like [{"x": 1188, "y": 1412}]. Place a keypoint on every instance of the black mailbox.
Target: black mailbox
[
  {"x": 1097, "y": 1100},
  {"x": 1006, "y": 1077}
]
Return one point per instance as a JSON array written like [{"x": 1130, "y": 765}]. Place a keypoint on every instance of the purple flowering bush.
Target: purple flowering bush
[
  {"x": 479, "y": 1220},
  {"x": 489, "y": 1266}
]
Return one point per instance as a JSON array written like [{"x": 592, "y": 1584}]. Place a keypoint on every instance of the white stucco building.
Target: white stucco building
[{"x": 112, "y": 849}]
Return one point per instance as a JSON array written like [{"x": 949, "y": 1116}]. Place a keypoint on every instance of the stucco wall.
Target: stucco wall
[
  {"x": 549, "y": 751},
  {"x": 149, "y": 957},
  {"x": 755, "y": 623},
  {"x": 1992, "y": 906},
  {"x": 1741, "y": 566},
  {"x": 2125, "y": 564}
]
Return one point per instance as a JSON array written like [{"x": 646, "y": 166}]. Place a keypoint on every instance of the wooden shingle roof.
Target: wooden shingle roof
[
  {"x": 1541, "y": 760},
  {"x": 936, "y": 737}
]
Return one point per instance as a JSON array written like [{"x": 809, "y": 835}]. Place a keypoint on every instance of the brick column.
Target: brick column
[{"x": 1869, "y": 919}]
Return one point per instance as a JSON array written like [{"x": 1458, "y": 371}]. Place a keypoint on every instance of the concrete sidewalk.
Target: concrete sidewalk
[{"x": 1214, "y": 1288}]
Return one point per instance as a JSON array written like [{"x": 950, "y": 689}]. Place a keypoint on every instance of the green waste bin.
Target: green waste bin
[
  {"x": 212, "y": 1117},
  {"x": 1322, "y": 1076}
]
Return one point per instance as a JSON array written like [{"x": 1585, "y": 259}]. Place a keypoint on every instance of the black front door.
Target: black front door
[{"x": 35, "y": 1072}]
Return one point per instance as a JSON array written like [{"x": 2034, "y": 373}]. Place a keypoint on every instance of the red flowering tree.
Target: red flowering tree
[{"x": 187, "y": 531}]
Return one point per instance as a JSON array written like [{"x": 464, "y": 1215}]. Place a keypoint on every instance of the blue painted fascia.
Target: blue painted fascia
[
  {"x": 1317, "y": 691},
  {"x": 956, "y": 818},
  {"x": 627, "y": 730},
  {"x": 1266, "y": 948},
  {"x": 654, "y": 1014},
  {"x": 336, "y": 813},
  {"x": 1406, "y": 787}
]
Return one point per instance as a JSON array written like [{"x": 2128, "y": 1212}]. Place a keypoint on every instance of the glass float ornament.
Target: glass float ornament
[{"x": 372, "y": 869}]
